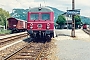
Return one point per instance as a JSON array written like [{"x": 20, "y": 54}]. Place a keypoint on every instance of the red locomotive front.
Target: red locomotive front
[{"x": 40, "y": 22}]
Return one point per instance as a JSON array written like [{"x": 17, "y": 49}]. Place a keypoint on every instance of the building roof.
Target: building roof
[{"x": 16, "y": 19}]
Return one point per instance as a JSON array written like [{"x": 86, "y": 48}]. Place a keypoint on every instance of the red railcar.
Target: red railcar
[
  {"x": 40, "y": 22},
  {"x": 16, "y": 25},
  {"x": 84, "y": 26}
]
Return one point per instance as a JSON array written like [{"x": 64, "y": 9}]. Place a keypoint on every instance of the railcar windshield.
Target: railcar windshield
[
  {"x": 45, "y": 16},
  {"x": 34, "y": 16}
]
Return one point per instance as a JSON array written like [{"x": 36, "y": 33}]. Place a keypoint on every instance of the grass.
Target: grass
[{"x": 4, "y": 31}]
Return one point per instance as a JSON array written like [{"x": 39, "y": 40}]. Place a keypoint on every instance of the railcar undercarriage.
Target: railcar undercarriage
[{"x": 41, "y": 34}]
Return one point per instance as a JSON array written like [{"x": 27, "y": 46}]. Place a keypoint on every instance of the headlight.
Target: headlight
[
  {"x": 48, "y": 27},
  {"x": 31, "y": 27}
]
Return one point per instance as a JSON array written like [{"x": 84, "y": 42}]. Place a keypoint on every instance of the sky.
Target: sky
[{"x": 62, "y": 5}]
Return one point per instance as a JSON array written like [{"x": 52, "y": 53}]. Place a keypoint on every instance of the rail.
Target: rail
[
  {"x": 32, "y": 51},
  {"x": 11, "y": 38},
  {"x": 86, "y": 31}
]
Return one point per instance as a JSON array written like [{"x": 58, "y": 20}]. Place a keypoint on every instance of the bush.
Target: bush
[{"x": 4, "y": 31}]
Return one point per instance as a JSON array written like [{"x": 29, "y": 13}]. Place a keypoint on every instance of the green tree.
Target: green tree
[
  {"x": 77, "y": 21},
  {"x": 3, "y": 17},
  {"x": 61, "y": 20}
]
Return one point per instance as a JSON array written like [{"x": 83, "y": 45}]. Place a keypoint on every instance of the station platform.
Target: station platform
[
  {"x": 2, "y": 37},
  {"x": 72, "y": 48},
  {"x": 66, "y": 35}
]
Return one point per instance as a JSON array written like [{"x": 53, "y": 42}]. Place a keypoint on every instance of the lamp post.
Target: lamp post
[{"x": 73, "y": 21}]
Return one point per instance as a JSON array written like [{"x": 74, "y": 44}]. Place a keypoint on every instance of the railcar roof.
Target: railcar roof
[
  {"x": 21, "y": 20},
  {"x": 16, "y": 19},
  {"x": 41, "y": 9}
]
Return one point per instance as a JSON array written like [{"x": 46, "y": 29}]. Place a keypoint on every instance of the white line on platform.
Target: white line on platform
[{"x": 9, "y": 45}]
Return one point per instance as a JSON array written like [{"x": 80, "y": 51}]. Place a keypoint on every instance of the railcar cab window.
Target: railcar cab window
[
  {"x": 45, "y": 16},
  {"x": 34, "y": 16}
]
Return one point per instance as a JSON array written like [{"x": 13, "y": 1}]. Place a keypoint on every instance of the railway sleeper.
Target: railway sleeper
[
  {"x": 31, "y": 52},
  {"x": 28, "y": 54}
]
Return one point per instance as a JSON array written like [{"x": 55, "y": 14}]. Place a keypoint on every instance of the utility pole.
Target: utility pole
[{"x": 73, "y": 21}]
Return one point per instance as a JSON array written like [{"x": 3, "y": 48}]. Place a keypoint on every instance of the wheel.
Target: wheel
[{"x": 52, "y": 35}]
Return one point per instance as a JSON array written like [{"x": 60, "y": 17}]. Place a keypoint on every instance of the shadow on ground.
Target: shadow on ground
[
  {"x": 37, "y": 40},
  {"x": 62, "y": 35}
]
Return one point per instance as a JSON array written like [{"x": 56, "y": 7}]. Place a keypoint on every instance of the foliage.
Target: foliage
[
  {"x": 77, "y": 20},
  {"x": 61, "y": 20},
  {"x": 3, "y": 16},
  {"x": 4, "y": 31}
]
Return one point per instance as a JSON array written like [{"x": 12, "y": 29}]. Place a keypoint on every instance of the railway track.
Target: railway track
[
  {"x": 86, "y": 31},
  {"x": 10, "y": 39},
  {"x": 32, "y": 51}
]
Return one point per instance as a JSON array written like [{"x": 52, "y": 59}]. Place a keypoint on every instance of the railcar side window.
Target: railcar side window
[
  {"x": 45, "y": 16},
  {"x": 34, "y": 16}
]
